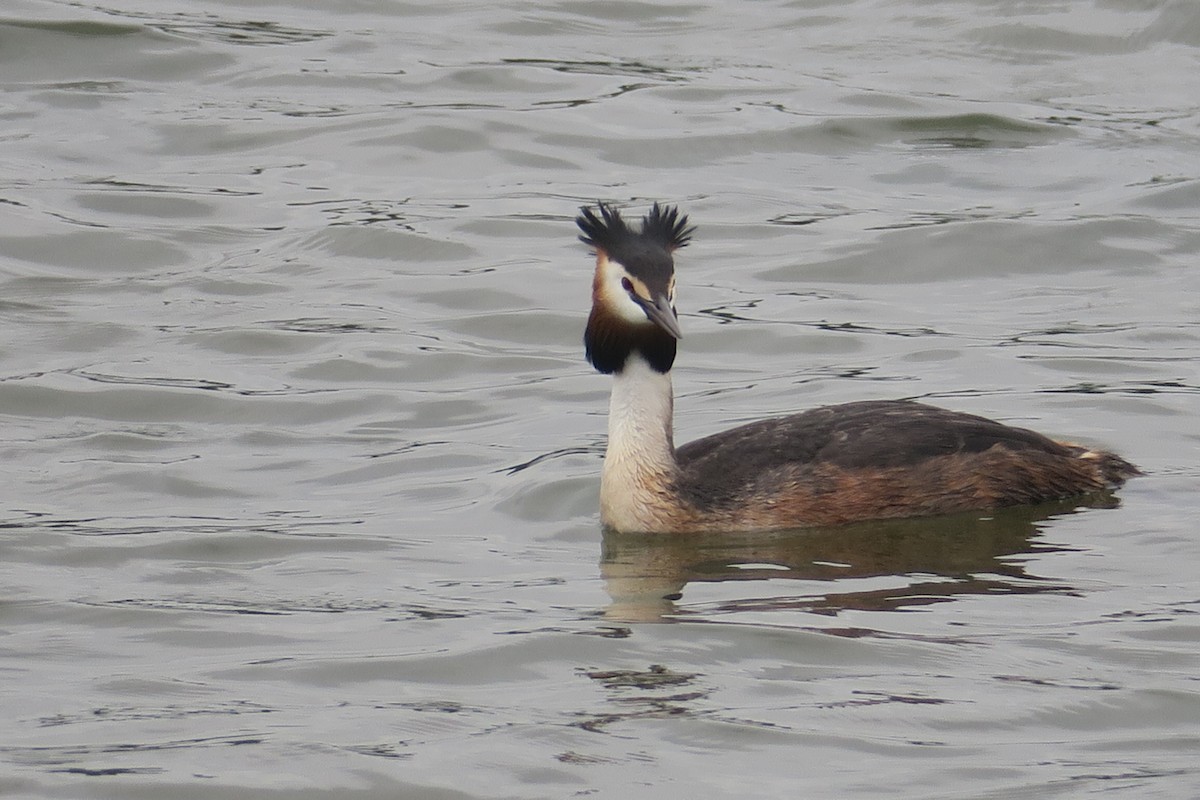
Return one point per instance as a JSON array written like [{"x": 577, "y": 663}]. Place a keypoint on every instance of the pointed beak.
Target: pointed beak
[{"x": 662, "y": 314}]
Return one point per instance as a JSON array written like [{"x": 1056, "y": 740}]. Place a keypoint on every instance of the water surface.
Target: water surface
[{"x": 300, "y": 454}]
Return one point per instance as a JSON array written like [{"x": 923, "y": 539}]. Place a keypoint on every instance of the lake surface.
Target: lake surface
[{"x": 300, "y": 455}]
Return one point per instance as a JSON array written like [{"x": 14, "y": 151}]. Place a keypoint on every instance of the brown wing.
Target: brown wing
[{"x": 865, "y": 436}]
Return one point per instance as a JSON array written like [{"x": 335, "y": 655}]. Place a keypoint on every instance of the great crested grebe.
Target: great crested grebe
[{"x": 831, "y": 465}]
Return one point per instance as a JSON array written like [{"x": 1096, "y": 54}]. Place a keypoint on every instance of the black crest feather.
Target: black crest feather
[
  {"x": 603, "y": 231},
  {"x": 663, "y": 226},
  {"x": 666, "y": 226}
]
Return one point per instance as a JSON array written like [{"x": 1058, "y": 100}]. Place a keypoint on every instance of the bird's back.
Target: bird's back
[{"x": 876, "y": 459}]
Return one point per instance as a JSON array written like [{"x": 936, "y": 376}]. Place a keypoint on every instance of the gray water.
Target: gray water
[{"x": 300, "y": 454}]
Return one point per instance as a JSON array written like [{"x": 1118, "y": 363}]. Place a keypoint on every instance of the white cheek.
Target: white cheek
[{"x": 617, "y": 299}]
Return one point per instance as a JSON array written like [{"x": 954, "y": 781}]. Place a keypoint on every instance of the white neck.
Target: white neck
[{"x": 640, "y": 460}]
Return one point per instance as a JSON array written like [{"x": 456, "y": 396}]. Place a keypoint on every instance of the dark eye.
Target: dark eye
[{"x": 627, "y": 285}]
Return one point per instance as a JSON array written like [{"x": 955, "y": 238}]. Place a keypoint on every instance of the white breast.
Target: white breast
[{"x": 639, "y": 462}]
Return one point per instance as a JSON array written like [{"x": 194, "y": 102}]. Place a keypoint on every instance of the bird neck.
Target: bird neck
[{"x": 639, "y": 463}]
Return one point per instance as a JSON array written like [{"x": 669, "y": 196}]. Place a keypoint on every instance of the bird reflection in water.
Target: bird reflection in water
[{"x": 929, "y": 560}]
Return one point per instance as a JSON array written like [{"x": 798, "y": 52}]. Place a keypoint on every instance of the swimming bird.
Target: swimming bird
[{"x": 831, "y": 465}]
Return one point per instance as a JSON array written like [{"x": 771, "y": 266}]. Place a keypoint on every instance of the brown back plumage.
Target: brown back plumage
[{"x": 884, "y": 458}]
